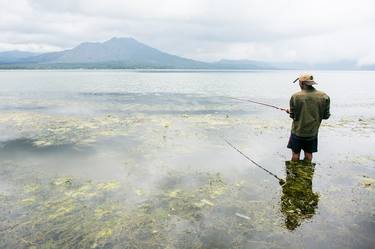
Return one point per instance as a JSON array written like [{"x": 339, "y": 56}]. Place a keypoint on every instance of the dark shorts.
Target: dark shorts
[{"x": 307, "y": 144}]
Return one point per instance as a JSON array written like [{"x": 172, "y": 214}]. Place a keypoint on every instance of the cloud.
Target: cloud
[{"x": 277, "y": 30}]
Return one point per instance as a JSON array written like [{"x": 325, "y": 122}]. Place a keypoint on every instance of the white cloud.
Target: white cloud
[
  {"x": 290, "y": 30},
  {"x": 30, "y": 47}
]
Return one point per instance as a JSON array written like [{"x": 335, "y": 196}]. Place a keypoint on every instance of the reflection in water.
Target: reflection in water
[{"x": 298, "y": 202}]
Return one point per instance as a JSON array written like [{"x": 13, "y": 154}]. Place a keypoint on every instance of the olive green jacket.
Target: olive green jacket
[{"x": 307, "y": 109}]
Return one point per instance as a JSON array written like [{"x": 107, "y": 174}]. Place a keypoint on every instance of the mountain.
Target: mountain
[
  {"x": 14, "y": 55},
  {"x": 338, "y": 65},
  {"x": 114, "y": 53},
  {"x": 128, "y": 53},
  {"x": 368, "y": 67}
]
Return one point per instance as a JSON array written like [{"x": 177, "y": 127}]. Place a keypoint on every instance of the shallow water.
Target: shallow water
[{"x": 136, "y": 159}]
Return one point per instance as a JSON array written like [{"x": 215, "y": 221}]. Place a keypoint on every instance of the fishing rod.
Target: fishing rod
[
  {"x": 281, "y": 181},
  {"x": 260, "y": 103}
]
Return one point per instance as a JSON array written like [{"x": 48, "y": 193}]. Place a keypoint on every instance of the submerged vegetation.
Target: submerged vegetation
[
  {"x": 182, "y": 212},
  {"x": 164, "y": 178}
]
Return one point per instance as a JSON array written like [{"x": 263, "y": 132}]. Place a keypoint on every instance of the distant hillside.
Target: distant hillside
[
  {"x": 115, "y": 53},
  {"x": 128, "y": 53},
  {"x": 14, "y": 56},
  {"x": 368, "y": 67}
]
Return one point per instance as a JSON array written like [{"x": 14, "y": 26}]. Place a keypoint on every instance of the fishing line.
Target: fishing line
[
  {"x": 281, "y": 181},
  {"x": 260, "y": 103}
]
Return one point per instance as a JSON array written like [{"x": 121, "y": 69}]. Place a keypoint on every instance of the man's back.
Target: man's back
[{"x": 307, "y": 109}]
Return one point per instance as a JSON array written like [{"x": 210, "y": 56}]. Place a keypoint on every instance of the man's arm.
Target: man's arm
[
  {"x": 291, "y": 108},
  {"x": 327, "y": 113}
]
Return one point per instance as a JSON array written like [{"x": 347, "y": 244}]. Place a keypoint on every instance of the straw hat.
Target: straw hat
[{"x": 308, "y": 79}]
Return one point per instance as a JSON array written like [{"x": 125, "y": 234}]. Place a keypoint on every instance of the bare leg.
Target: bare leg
[
  {"x": 308, "y": 156},
  {"x": 295, "y": 156}
]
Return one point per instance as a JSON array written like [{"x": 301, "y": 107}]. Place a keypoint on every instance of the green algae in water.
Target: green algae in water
[
  {"x": 182, "y": 210},
  {"x": 66, "y": 212},
  {"x": 67, "y": 181},
  {"x": 367, "y": 182}
]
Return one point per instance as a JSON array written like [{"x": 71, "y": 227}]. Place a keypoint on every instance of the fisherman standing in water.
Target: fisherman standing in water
[{"x": 307, "y": 109}]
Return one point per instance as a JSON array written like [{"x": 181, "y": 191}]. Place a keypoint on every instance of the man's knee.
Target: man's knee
[
  {"x": 308, "y": 156},
  {"x": 295, "y": 156}
]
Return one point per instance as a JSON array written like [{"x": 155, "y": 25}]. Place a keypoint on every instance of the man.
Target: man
[{"x": 307, "y": 109}]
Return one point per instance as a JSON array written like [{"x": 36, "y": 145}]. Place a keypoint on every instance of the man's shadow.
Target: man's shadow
[{"x": 298, "y": 202}]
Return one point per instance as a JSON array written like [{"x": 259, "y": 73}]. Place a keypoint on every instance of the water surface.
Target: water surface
[{"x": 136, "y": 159}]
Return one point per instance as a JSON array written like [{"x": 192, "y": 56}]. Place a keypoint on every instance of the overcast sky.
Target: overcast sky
[{"x": 270, "y": 30}]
